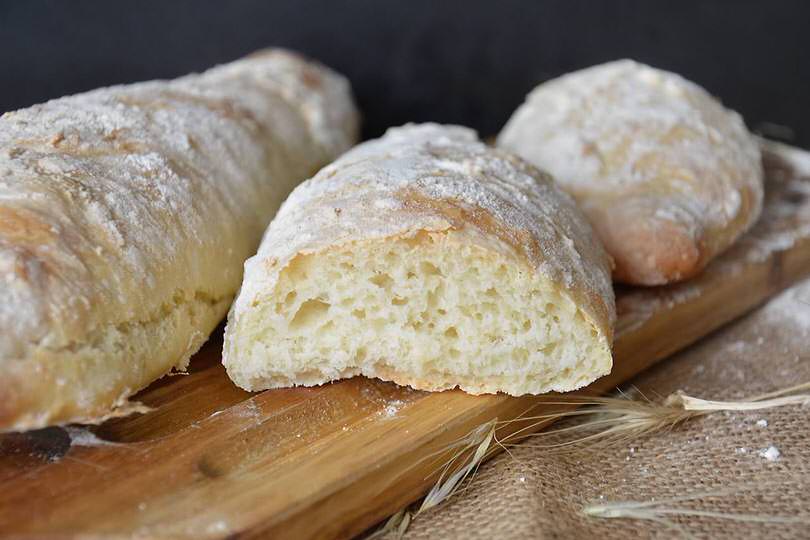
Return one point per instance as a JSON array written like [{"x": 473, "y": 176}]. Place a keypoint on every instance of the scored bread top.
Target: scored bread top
[
  {"x": 667, "y": 175},
  {"x": 121, "y": 204},
  {"x": 617, "y": 125},
  {"x": 436, "y": 178}
]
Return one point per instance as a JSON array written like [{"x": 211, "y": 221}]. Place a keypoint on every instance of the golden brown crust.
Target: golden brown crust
[
  {"x": 672, "y": 250},
  {"x": 439, "y": 382},
  {"x": 21, "y": 403},
  {"x": 460, "y": 215}
]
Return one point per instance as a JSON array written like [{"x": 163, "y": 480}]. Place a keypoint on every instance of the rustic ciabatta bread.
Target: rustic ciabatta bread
[
  {"x": 428, "y": 259},
  {"x": 667, "y": 176},
  {"x": 126, "y": 215}
]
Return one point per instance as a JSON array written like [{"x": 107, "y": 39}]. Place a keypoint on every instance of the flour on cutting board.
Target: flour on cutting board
[
  {"x": 788, "y": 174},
  {"x": 392, "y": 409},
  {"x": 791, "y": 307},
  {"x": 638, "y": 307},
  {"x": 84, "y": 437}
]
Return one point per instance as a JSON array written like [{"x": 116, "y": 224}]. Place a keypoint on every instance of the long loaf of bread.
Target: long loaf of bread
[
  {"x": 126, "y": 214},
  {"x": 426, "y": 258}
]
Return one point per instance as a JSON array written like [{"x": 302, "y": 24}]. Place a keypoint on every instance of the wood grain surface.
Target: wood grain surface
[{"x": 213, "y": 461}]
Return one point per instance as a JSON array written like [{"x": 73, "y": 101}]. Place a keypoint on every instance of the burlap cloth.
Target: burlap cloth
[{"x": 532, "y": 494}]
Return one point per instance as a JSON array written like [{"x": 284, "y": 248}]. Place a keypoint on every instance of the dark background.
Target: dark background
[{"x": 463, "y": 62}]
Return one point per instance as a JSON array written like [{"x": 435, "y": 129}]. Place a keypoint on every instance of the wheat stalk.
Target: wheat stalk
[{"x": 661, "y": 511}]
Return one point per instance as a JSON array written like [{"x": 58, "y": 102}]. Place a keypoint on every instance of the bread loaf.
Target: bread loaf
[
  {"x": 667, "y": 176},
  {"x": 126, "y": 214},
  {"x": 431, "y": 260}
]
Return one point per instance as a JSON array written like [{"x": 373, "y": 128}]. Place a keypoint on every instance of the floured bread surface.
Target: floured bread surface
[
  {"x": 126, "y": 215},
  {"x": 668, "y": 177},
  {"x": 431, "y": 260}
]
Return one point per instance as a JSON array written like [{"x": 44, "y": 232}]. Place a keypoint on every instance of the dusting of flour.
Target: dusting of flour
[{"x": 84, "y": 437}]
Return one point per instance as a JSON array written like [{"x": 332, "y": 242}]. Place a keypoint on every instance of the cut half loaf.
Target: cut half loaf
[{"x": 428, "y": 259}]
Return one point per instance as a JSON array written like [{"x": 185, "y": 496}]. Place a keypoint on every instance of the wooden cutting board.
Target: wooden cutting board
[{"x": 211, "y": 460}]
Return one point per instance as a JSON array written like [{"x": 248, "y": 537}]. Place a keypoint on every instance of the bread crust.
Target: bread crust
[
  {"x": 668, "y": 177},
  {"x": 425, "y": 179},
  {"x": 126, "y": 214}
]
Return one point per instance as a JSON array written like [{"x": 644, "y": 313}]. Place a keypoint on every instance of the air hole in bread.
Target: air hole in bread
[
  {"x": 382, "y": 280},
  {"x": 309, "y": 314}
]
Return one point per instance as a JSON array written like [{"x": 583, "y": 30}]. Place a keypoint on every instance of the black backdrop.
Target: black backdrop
[{"x": 468, "y": 62}]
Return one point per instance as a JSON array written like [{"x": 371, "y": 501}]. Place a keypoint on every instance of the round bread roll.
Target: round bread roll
[
  {"x": 431, "y": 260},
  {"x": 667, "y": 176}
]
